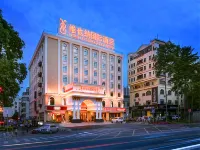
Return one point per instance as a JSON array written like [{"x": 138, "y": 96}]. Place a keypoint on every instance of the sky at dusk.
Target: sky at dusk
[{"x": 130, "y": 22}]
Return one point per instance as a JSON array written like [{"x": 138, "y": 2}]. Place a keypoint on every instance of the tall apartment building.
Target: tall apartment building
[
  {"x": 72, "y": 74},
  {"x": 147, "y": 92},
  {"x": 25, "y": 105},
  {"x": 127, "y": 100}
]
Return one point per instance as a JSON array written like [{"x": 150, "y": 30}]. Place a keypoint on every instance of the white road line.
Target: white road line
[
  {"x": 188, "y": 147},
  {"x": 158, "y": 129},
  {"x": 28, "y": 143},
  {"x": 35, "y": 139},
  {"x": 133, "y": 132},
  {"x": 118, "y": 134},
  {"x": 43, "y": 138},
  {"x": 146, "y": 131},
  {"x": 27, "y": 140},
  {"x": 16, "y": 141},
  {"x": 5, "y": 142}
]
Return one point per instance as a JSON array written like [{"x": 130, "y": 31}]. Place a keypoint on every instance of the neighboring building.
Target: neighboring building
[
  {"x": 25, "y": 104},
  {"x": 127, "y": 100},
  {"x": 17, "y": 104},
  {"x": 72, "y": 76},
  {"x": 147, "y": 92}
]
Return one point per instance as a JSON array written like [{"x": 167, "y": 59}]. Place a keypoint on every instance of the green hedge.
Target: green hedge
[{"x": 6, "y": 128}]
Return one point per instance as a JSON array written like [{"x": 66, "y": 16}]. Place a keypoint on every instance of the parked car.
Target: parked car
[
  {"x": 49, "y": 128},
  {"x": 175, "y": 117},
  {"x": 117, "y": 120},
  {"x": 37, "y": 130}
]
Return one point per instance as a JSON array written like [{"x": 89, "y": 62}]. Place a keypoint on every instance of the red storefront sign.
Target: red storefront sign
[
  {"x": 56, "y": 108},
  {"x": 113, "y": 109}
]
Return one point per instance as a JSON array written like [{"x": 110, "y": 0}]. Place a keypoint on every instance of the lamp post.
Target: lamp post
[{"x": 166, "y": 94}]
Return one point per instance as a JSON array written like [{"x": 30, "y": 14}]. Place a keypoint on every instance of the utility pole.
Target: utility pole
[{"x": 166, "y": 95}]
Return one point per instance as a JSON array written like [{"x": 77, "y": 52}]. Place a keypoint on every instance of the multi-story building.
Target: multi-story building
[
  {"x": 147, "y": 92},
  {"x": 76, "y": 73},
  {"x": 24, "y": 114},
  {"x": 127, "y": 100},
  {"x": 17, "y": 104}
]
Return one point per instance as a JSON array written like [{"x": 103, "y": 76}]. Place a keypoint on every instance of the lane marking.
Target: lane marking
[
  {"x": 117, "y": 134},
  {"x": 146, "y": 131},
  {"x": 188, "y": 147},
  {"x": 27, "y": 140},
  {"x": 35, "y": 139},
  {"x": 157, "y": 129},
  {"x": 27, "y": 143},
  {"x": 16, "y": 141},
  {"x": 133, "y": 132},
  {"x": 5, "y": 142}
]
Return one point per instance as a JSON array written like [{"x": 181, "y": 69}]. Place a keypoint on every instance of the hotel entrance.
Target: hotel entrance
[{"x": 86, "y": 113}]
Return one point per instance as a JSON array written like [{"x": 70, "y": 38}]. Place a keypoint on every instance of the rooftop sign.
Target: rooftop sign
[{"x": 70, "y": 30}]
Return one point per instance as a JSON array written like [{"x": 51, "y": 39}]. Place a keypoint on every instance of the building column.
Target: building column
[
  {"x": 100, "y": 113},
  {"x": 78, "y": 109},
  {"x": 70, "y": 63},
  {"x": 81, "y": 65}
]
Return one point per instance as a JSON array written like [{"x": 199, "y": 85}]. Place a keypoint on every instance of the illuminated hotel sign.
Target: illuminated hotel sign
[{"x": 85, "y": 35}]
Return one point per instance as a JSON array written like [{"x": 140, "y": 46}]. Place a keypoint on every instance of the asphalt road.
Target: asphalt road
[{"x": 128, "y": 136}]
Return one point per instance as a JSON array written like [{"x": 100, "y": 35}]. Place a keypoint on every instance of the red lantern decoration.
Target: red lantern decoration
[{"x": 1, "y": 89}]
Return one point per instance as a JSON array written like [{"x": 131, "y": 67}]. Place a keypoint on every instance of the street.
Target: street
[{"x": 119, "y": 136}]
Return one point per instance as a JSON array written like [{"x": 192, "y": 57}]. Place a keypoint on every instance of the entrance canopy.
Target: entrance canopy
[{"x": 88, "y": 90}]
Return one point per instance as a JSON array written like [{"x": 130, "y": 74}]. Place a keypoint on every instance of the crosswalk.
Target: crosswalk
[{"x": 32, "y": 140}]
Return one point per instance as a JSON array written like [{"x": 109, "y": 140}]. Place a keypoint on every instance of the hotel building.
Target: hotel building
[
  {"x": 147, "y": 92},
  {"x": 76, "y": 74}
]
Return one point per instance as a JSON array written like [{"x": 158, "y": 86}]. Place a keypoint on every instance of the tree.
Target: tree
[{"x": 12, "y": 72}]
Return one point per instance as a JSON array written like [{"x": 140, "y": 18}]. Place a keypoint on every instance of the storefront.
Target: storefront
[{"x": 111, "y": 112}]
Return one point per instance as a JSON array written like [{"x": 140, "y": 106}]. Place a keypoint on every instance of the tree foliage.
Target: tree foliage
[
  {"x": 12, "y": 72},
  {"x": 183, "y": 65}
]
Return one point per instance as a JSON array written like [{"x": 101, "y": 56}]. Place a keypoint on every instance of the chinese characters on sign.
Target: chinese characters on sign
[
  {"x": 154, "y": 94},
  {"x": 85, "y": 35}
]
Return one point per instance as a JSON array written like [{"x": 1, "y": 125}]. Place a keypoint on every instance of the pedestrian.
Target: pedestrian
[
  {"x": 16, "y": 131},
  {"x": 27, "y": 129}
]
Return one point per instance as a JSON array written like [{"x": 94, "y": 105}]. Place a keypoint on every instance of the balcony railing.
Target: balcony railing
[
  {"x": 40, "y": 64},
  {"x": 40, "y": 93},
  {"x": 39, "y": 84}
]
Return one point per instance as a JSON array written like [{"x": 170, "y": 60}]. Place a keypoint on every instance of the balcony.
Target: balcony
[
  {"x": 140, "y": 62},
  {"x": 40, "y": 105},
  {"x": 40, "y": 64},
  {"x": 39, "y": 84},
  {"x": 140, "y": 69},
  {"x": 39, "y": 74},
  {"x": 40, "y": 93},
  {"x": 147, "y": 84},
  {"x": 140, "y": 77}
]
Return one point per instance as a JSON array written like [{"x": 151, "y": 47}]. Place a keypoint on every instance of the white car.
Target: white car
[
  {"x": 117, "y": 120},
  {"x": 175, "y": 117},
  {"x": 49, "y": 128}
]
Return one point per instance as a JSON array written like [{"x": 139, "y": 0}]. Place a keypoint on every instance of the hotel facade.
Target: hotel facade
[
  {"x": 76, "y": 76},
  {"x": 147, "y": 92}
]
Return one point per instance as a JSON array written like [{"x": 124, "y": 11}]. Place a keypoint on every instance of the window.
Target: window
[
  {"x": 64, "y": 46},
  {"x": 162, "y": 101},
  {"x": 119, "y": 95},
  {"x": 144, "y": 67},
  {"x": 119, "y": 69},
  {"x": 111, "y": 76},
  {"x": 95, "y": 54},
  {"x": 144, "y": 59},
  {"x": 64, "y": 57},
  {"x": 76, "y": 80},
  {"x": 144, "y": 75},
  {"x": 176, "y": 102},
  {"x": 119, "y": 60},
  {"x": 133, "y": 71},
  {"x": 103, "y": 66},
  {"x": 111, "y": 104},
  {"x": 85, "y": 62},
  {"x": 119, "y": 77},
  {"x": 111, "y": 93},
  {"x": 75, "y": 50},
  {"x": 169, "y": 102},
  {"x": 95, "y": 73},
  {"x": 119, "y": 104},
  {"x": 176, "y": 93},
  {"x": 64, "y": 101},
  {"x": 75, "y": 60},
  {"x": 75, "y": 70},
  {"x": 85, "y": 52},
  {"x": 104, "y": 56},
  {"x": 111, "y": 58},
  {"x": 148, "y": 93},
  {"x": 85, "y": 81},
  {"x": 149, "y": 66},
  {"x": 103, "y": 75},
  {"x": 131, "y": 65},
  {"x": 103, "y": 83},
  {"x": 95, "y": 82},
  {"x": 65, "y": 79},
  {"x": 134, "y": 64},
  {"x": 162, "y": 92},
  {"x": 103, "y": 104},
  {"x": 95, "y": 64},
  {"x": 65, "y": 69},
  {"x": 143, "y": 94},
  {"x": 111, "y": 85},
  {"x": 169, "y": 92},
  {"x": 51, "y": 101},
  {"x": 136, "y": 95},
  {"x": 85, "y": 72},
  {"x": 119, "y": 87},
  {"x": 149, "y": 57},
  {"x": 149, "y": 74},
  {"x": 111, "y": 67}
]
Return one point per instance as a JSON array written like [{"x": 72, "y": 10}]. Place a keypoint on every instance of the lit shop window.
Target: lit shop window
[
  {"x": 64, "y": 69},
  {"x": 95, "y": 73},
  {"x": 103, "y": 75},
  {"x": 75, "y": 70},
  {"x": 86, "y": 72},
  {"x": 95, "y": 64},
  {"x": 75, "y": 60},
  {"x": 75, "y": 50},
  {"x": 85, "y": 62},
  {"x": 95, "y": 54},
  {"x": 85, "y": 52},
  {"x": 65, "y": 58}
]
